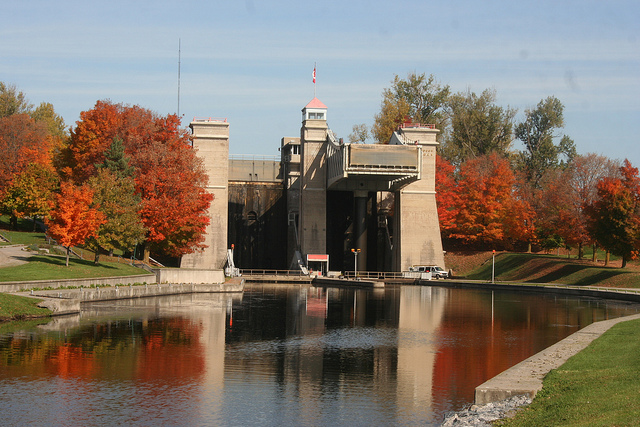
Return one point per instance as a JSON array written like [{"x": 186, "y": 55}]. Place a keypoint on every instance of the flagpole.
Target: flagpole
[{"x": 314, "y": 79}]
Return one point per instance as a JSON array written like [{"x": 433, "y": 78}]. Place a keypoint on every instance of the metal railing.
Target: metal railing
[
  {"x": 210, "y": 119},
  {"x": 375, "y": 274},
  {"x": 268, "y": 272},
  {"x": 416, "y": 125}
]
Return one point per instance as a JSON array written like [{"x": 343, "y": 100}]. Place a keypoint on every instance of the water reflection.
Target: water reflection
[{"x": 279, "y": 355}]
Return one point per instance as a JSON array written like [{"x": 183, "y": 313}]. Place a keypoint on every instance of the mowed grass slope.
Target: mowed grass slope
[
  {"x": 537, "y": 268},
  {"x": 597, "y": 387},
  {"x": 48, "y": 267},
  {"x": 18, "y": 307}
]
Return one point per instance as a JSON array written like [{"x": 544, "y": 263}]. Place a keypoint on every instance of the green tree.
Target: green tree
[
  {"x": 478, "y": 127},
  {"x": 118, "y": 201},
  {"x": 116, "y": 160},
  {"x": 419, "y": 98},
  {"x": 614, "y": 217},
  {"x": 537, "y": 134},
  {"x": 12, "y": 101},
  {"x": 45, "y": 113}
]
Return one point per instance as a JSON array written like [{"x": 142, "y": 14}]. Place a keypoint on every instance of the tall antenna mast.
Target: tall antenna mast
[{"x": 179, "y": 52}]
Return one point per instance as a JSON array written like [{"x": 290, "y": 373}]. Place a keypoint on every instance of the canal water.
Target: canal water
[{"x": 279, "y": 355}]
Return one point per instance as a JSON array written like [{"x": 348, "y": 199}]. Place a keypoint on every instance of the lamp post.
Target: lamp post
[
  {"x": 493, "y": 268},
  {"x": 355, "y": 256}
]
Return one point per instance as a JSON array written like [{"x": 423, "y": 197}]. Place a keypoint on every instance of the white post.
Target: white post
[
  {"x": 355, "y": 256},
  {"x": 493, "y": 268}
]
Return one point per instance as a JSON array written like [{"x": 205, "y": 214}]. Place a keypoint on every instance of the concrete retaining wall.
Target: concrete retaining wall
[
  {"x": 68, "y": 301},
  {"x": 103, "y": 281},
  {"x": 189, "y": 275}
]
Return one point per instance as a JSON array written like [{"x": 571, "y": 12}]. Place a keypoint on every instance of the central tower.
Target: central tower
[{"x": 313, "y": 179}]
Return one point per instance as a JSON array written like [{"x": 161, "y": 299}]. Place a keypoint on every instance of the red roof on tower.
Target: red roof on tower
[{"x": 315, "y": 103}]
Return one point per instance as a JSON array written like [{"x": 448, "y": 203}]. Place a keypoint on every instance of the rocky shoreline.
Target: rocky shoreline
[{"x": 483, "y": 415}]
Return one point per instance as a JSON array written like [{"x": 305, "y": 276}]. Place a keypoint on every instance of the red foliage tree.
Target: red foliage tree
[
  {"x": 174, "y": 201},
  {"x": 614, "y": 217},
  {"x": 73, "y": 219},
  {"x": 489, "y": 209},
  {"x": 446, "y": 195},
  {"x": 169, "y": 177}
]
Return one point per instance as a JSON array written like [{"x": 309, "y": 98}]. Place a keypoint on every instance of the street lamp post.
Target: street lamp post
[
  {"x": 355, "y": 256},
  {"x": 493, "y": 268}
]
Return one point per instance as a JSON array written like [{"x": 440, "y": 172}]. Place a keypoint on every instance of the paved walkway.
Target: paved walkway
[{"x": 14, "y": 255}]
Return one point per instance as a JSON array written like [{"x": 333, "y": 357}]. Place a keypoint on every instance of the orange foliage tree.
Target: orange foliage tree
[
  {"x": 614, "y": 217},
  {"x": 22, "y": 141},
  {"x": 169, "y": 177},
  {"x": 73, "y": 219},
  {"x": 446, "y": 195},
  {"x": 31, "y": 193},
  {"x": 490, "y": 212}
]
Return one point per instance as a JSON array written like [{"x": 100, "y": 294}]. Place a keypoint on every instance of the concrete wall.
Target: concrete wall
[
  {"x": 417, "y": 239},
  {"x": 211, "y": 140},
  {"x": 313, "y": 188},
  {"x": 183, "y": 275},
  {"x": 106, "y": 281}
]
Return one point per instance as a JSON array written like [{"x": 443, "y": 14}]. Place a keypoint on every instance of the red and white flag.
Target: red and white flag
[{"x": 314, "y": 74}]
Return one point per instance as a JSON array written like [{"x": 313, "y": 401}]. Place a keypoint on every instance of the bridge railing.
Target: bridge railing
[
  {"x": 374, "y": 275},
  {"x": 267, "y": 272}
]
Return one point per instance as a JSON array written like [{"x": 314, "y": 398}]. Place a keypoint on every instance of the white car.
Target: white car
[{"x": 436, "y": 272}]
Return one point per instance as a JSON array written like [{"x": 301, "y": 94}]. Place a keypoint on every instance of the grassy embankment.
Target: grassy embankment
[
  {"x": 541, "y": 268},
  {"x": 596, "y": 387},
  {"x": 47, "y": 267},
  {"x": 15, "y": 307}
]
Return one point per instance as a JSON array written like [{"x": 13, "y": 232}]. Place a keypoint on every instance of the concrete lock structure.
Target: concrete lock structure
[{"x": 324, "y": 204}]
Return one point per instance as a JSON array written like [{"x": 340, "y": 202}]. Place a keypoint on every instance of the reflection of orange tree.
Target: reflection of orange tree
[
  {"x": 484, "y": 352},
  {"x": 489, "y": 345},
  {"x": 72, "y": 361},
  {"x": 171, "y": 349}
]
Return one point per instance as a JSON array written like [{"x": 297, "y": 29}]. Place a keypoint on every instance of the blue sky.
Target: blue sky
[{"x": 251, "y": 61}]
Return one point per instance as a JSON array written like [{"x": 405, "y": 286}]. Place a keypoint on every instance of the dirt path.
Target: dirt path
[{"x": 13, "y": 255}]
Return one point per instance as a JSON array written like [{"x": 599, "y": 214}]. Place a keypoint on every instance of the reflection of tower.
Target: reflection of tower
[
  {"x": 313, "y": 176},
  {"x": 211, "y": 140},
  {"x": 209, "y": 312},
  {"x": 421, "y": 311}
]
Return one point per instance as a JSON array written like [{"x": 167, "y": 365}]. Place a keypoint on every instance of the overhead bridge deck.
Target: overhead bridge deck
[{"x": 372, "y": 167}]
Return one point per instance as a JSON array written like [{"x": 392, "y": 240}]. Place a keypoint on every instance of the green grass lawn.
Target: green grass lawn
[
  {"x": 600, "y": 386},
  {"x": 535, "y": 268},
  {"x": 16, "y": 307},
  {"x": 44, "y": 267},
  {"x": 23, "y": 238}
]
